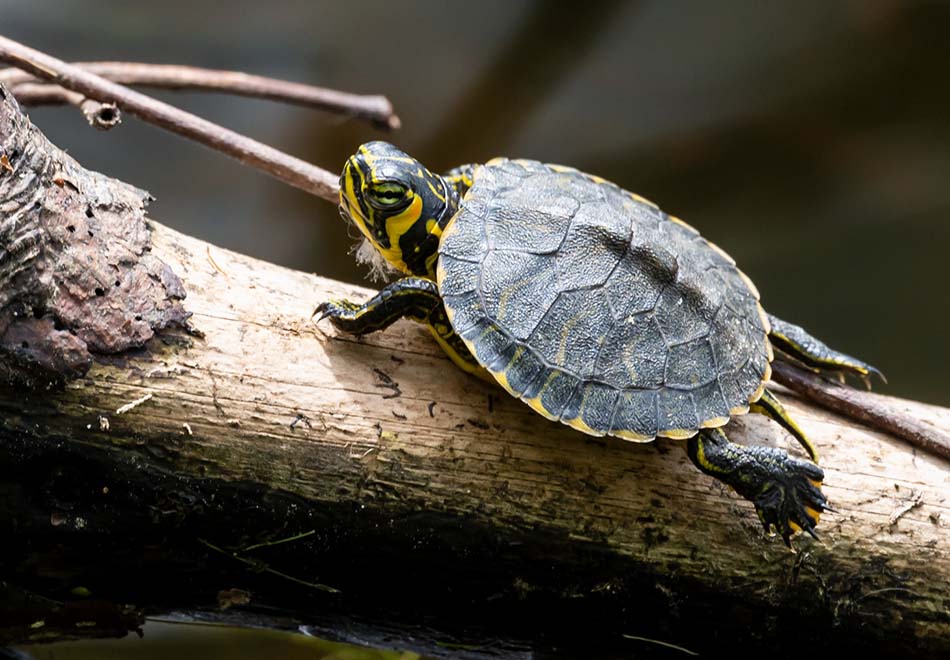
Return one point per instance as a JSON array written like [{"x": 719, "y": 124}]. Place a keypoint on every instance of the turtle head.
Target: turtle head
[{"x": 397, "y": 204}]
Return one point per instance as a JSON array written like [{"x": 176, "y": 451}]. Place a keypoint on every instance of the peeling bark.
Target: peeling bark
[{"x": 76, "y": 276}]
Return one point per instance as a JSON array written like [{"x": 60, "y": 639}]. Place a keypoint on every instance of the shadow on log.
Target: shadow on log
[{"x": 255, "y": 467}]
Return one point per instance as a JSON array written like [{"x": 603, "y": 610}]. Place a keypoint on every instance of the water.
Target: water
[{"x": 163, "y": 639}]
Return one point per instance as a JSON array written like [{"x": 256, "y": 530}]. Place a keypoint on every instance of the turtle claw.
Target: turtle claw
[
  {"x": 323, "y": 309},
  {"x": 342, "y": 313},
  {"x": 786, "y": 491},
  {"x": 790, "y": 499}
]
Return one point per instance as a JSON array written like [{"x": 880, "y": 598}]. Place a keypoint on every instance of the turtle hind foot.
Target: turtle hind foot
[
  {"x": 790, "y": 499},
  {"x": 785, "y": 491},
  {"x": 793, "y": 341}
]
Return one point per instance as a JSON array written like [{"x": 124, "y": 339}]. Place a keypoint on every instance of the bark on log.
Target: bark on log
[{"x": 431, "y": 504}]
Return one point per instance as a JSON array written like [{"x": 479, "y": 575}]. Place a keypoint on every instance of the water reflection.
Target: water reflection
[{"x": 187, "y": 641}]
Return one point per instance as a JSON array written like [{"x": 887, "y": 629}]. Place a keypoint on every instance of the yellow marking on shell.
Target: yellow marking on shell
[
  {"x": 714, "y": 423},
  {"x": 562, "y": 349},
  {"x": 633, "y": 436},
  {"x": 749, "y": 283},
  {"x": 497, "y": 161},
  {"x": 580, "y": 425},
  {"x": 501, "y": 375},
  {"x": 683, "y": 224},
  {"x": 764, "y": 318},
  {"x": 677, "y": 434},
  {"x": 459, "y": 361},
  {"x": 560, "y": 169},
  {"x": 642, "y": 200},
  {"x": 440, "y": 277},
  {"x": 449, "y": 228},
  {"x": 502, "y": 379},
  {"x": 503, "y": 299},
  {"x": 722, "y": 253},
  {"x": 739, "y": 410},
  {"x": 760, "y": 390},
  {"x": 535, "y": 403}
]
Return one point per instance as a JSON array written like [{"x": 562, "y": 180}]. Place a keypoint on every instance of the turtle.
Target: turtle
[{"x": 592, "y": 306}]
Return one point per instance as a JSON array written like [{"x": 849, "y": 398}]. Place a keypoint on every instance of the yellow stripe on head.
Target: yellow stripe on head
[{"x": 398, "y": 204}]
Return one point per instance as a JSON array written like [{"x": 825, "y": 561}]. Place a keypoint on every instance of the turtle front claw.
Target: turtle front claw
[{"x": 343, "y": 314}]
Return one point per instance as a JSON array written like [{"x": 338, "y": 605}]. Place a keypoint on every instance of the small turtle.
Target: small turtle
[{"x": 592, "y": 306}]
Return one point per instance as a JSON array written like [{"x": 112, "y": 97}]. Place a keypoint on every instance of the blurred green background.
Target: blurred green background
[{"x": 809, "y": 140}]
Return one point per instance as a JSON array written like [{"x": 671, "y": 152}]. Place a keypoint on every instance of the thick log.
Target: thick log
[{"x": 415, "y": 497}]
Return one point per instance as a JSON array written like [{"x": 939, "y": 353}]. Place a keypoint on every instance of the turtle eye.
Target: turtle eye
[{"x": 387, "y": 195}]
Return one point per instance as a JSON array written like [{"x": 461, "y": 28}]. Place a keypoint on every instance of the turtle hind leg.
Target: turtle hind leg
[
  {"x": 786, "y": 491},
  {"x": 796, "y": 342},
  {"x": 772, "y": 408}
]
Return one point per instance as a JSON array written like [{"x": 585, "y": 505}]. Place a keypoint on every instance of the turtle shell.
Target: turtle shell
[{"x": 596, "y": 308}]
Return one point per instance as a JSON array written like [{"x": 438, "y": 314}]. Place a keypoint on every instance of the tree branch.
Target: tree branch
[
  {"x": 287, "y": 168},
  {"x": 375, "y": 108},
  {"x": 102, "y": 116},
  {"x": 875, "y": 410}
]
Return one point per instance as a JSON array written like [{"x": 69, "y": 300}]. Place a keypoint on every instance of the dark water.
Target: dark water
[{"x": 162, "y": 640}]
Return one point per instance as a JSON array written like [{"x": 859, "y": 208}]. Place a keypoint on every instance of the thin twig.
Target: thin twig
[
  {"x": 375, "y": 108},
  {"x": 99, "y": 115},
  {"x": 289, "y": 539},
  {"x": 121, "y": 410},
  {"x": 261, "y": 566},
  {"x": 660, "y": 643},
  {"x": 287, "y": 168},
  {"x": 862, "y": 406}
]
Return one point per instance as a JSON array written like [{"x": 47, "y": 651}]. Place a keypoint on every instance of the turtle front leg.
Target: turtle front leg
[
  {"x": 415, "y": 298},
  {"x": 814, "y": 353},
  {"x": 410, "y": 297},
  {"x": 786, "y": 492}
]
